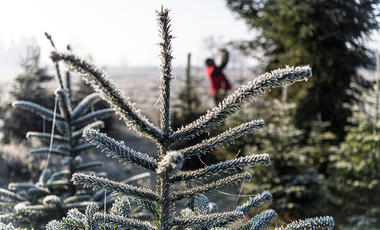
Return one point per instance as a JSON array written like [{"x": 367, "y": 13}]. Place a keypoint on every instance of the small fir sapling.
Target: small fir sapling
[
  {"x": 355, "y": 167},
  {"x": 161, "y": 202},
  {"x": 53, "y": 195},
  {"x": 30, "y": 85},
  {"x": 320, "y": 145},
  {"x": 292, "y": 178}
]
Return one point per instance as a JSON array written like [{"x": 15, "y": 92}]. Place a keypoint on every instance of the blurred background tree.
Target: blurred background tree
[
  {"x": 331, "y": 36},
  {"x": 355, "y": 183},
  {"x": 30, "y": 86},
  {"x": 296, "y": 186}
]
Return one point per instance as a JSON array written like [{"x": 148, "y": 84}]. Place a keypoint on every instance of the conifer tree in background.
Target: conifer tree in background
[
  {"x": 27, "y": 86},
  {"x": 161, "y": 202},
  {"x": 320, "y": 145},
  {"x": 291, "y": 178},
  {"x": 53, "y": 195},
  {"x": 331, "y": 36},
  {"x": 355, "y": 177},
  {"x": 189, "y": 94}
]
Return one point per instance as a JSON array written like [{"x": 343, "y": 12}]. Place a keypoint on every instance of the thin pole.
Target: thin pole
[
  {"x": 188, "y": 84},
  {"x": 68, "y": 84}
]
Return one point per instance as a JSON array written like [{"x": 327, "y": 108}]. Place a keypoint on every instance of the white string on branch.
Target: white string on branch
[{"x": 52, "y": 135}]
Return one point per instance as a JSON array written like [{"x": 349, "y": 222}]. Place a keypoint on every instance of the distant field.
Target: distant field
[{"x": 141, "y": 85}]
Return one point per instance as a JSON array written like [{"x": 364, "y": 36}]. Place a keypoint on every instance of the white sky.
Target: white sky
[{"x": 117, "y": 32}]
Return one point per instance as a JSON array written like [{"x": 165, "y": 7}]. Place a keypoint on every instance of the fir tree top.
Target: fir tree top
[{"x": 161, "y": 202}]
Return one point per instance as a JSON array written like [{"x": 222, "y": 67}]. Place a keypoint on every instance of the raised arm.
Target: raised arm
[{"x": 219, "y": 69}]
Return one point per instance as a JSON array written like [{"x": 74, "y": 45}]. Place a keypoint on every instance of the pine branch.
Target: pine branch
[
  {"x": 75, "y": 214},
  {"x": 223, "y": 167},
  {"x": 163, "y": 21},
  {"x": 44, "y": 177},
  {"x": 79, "y": 205},
  {"x": 245, "y": 94},
  {"x": 66, "y": 223},
  {"x": 45, "y": 113},
  {"x": 81, "y": 148},
  {"x": 60, "y": 174},
  {"x": 62, "y": 126},
  {"x": 8, "y": 226},
  {"x": 47, "y": 150},
  {"x": 260, "y": 221},
  {"x": 94, "y": 125},
  {"x": 76, "y": 199},
  {"x": 137, "y": 177},
  {"x": 123, "y": 222},
  {"x": 57, "y": 72},
  {"x": 62, "y": 147},
  {"x": 118, "y": 150},
  {"x": 90, "y": 222},
  {"x": 325, "y": 222},
  {"x": 20, "y": 186},
  {"x": 220, "y": 228},
  {"x": 10, "y": 196},
  {"x": 222, "y": 139},
  {"x": 254, "y": 202},
  {"x": 208, "y": 220},
  {"x": 6, "y": 206},
  {"x": 121, "y": 207},
  {"x": 211, "y": 186},
  {"x": 33, "y": 210},
  {"x": 94, "y": 182},
  {"x": 52, "y": 201},
  {"x": 201, "y": 205},
  {"x": 149, "y": 206},
  {"x": 84, "y": 105},
  {"x": 38, "y": 192},
  {"x": 109, "y": 92},
  {"x": 46, "y": 137},
  {"x": 98, "y": 114},
  {"x": 89, "y": 165},
  {"x": 58, "y": 184},
  {"x": 64, "y": 103}
]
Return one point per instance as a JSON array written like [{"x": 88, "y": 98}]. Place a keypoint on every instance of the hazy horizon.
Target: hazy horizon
[
  {"x": 116, "y": 33},
  {"x": 121, "y": 33}
]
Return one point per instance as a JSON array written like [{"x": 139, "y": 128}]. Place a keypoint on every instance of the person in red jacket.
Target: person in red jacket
[{"x": 219, "y": 84}]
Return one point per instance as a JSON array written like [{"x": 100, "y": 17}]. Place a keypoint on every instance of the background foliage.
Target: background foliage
[
  {"x": 355, "y": 170},
  {"x": 331, "y": 36},
  {"x": 31, "y": 86}
]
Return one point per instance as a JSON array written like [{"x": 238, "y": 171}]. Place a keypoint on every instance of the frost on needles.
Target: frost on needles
[{"x": 161, "y": 201}]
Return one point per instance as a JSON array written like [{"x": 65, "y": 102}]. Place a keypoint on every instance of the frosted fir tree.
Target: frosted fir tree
[
  {"x": 161, "y": 201},
  {"x": 31, "y": 86},
  {"x": 53, "y": 195}
]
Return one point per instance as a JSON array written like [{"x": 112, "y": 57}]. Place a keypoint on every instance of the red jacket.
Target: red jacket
[{"x": 217, "y": 81}]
